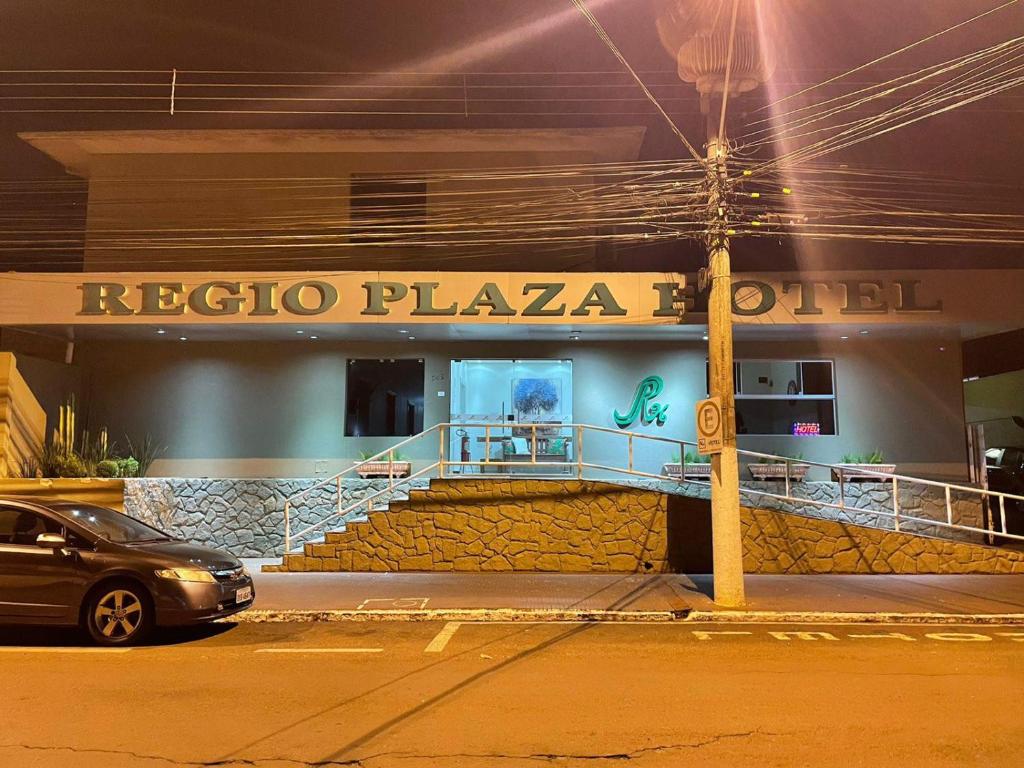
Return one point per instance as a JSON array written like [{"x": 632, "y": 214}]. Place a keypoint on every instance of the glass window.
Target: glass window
[
  {"x": 19, "y": 527},
  {"x": 383, "y": 209},
  {"x": 384, "y": 398},
  {"x": 785, "y": 397}
]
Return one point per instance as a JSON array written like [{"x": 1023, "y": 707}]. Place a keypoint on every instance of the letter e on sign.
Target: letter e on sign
[{"x": 709, "y": 426}]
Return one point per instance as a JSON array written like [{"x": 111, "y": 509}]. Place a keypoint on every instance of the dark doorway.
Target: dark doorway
[{"x": 689, "y": 535}]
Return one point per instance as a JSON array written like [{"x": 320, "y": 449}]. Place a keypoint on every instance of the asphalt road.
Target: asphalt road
[{"x": 433, "y": 694}]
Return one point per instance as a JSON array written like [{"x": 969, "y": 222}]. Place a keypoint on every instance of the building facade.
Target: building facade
[{"x": 238, "y": 364}]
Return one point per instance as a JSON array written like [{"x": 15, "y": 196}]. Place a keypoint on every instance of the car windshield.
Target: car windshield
[{"x": 111, "y": 525}]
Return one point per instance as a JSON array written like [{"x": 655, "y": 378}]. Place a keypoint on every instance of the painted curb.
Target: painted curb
[
  {"x": 455, "y": 614},
  {"x": 687, "y": 616}
]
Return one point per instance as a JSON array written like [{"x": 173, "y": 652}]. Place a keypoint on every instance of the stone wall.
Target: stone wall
[
  {"x": 584, "y": 526},
  {"x": 22, "y": 420},
  {"x": 567, "y": 526},
  {"x": 243, "y": 516},
  {"x": 776, "y": 542},
  {"x": 916, "y": 500},
  {"x": 246, "y": 516}
]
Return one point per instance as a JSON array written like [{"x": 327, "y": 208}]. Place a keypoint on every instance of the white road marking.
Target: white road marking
[
  {"x": 319, "y": 650},
  {"x": 407, "y": 603},
  {"x": 802, "y": 635},
  {"x": 701, "y": 634},
  {"x": 1018, "y": 637},
  {"x": 34, "y": 649},
  {"x": 884, "y": 636},
  {"x": 963, "y": 637},
  {"x": 441, "y": 638}
]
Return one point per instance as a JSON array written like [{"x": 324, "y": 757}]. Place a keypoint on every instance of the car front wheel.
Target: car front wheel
[{"x": 119, "y": 614}]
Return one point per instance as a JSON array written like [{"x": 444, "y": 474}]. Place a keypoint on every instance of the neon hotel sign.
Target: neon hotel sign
[{"x": 467, "y": 296}]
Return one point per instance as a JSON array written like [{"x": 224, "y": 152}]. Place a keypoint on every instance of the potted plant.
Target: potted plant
[
  {"x": 776, "y": 469},
  {"x": 381, "y": 467},
  {"x": 698, "y": 467},
  {"x": 863, "y": 467}
]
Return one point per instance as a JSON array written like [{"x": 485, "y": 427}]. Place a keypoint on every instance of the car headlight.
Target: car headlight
[{"x": 187, "y": 574}]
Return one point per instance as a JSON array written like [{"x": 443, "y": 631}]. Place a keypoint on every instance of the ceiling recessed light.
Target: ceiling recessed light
[
  {"x": 183, "y": 338},
  {"x": 844, "y": 338},
  {"x": 574, "y": 338},
  {"x": 314, "y": 337},
  {"x": 865, "y": 332},
  {"x": 704, "y": 337},
  {"x": 412, "y": 338},
  {"x": 300, "y": 332},
  {"x": 161, "y": 331},
  {"x": 942, "y": 349},
  {"x": 403, "y": 331}
]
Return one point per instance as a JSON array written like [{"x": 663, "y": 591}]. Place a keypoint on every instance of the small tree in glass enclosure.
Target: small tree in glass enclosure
[{"x": 535, "y": 396}]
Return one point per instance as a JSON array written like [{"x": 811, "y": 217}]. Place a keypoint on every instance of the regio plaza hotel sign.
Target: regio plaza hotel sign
[{"x": 634, "y": 298}]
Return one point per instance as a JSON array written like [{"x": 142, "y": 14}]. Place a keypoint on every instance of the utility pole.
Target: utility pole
[
  {"x": 722, "y": 56},
  {"x": 726, "y": 533}
]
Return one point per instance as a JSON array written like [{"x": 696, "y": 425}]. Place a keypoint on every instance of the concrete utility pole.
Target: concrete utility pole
[
  {"x": 722, "y": 55},
  {"x": 725, "y": 480}
]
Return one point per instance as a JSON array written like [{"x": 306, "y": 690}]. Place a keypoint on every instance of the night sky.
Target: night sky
[{"x": 813, "y": 41}]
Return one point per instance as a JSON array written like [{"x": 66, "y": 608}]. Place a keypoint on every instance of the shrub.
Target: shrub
[
  {"x": 127, "y": 467},
  {"x": 107, "y": 468},
  {"x": 66, "y": 465},
  {"x": 143, "y": 454},
  {"x": 875, "y": 457},
  {"x": 29, "y": 467}
]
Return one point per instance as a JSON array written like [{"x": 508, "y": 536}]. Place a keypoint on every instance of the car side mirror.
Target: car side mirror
[{"x": 50, "y": 541}]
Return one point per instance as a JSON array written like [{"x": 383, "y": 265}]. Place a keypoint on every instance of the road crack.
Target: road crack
[
  {"x": 560, "y": 756},
  {"x": 240, "y": 761},
  {"x": 364, "y": 761}
]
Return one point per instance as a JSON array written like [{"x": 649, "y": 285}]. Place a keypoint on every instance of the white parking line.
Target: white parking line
[
  {"x": 319, "y": 650},
  {"x": 441, "y": 638},
  {"x": 34, "y": 649},
  {"x": 396, "y": 603}
]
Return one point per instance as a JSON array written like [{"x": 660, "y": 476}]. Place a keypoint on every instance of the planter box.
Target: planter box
[
  {"x": 693, "y": 471},
  {"x": 797, "y": 471},
  {"x": 369, "y": 469},
  {"x": 101, "y": 491},
  {"x": 864, "y": 472}
]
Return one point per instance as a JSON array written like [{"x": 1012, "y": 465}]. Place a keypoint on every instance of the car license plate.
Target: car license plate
[{"x": 243, "y": 595}]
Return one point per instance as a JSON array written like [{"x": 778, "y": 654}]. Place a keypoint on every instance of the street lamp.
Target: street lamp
[{"x": 718, "y": 48}]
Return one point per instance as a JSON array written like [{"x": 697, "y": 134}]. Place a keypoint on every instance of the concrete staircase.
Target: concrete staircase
[
  {"x": 478, "y": 524},
  {"x": 495, "y": 525}
]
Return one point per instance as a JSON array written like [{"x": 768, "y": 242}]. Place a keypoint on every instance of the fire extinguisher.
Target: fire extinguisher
[{"x": 465, "y": 443}]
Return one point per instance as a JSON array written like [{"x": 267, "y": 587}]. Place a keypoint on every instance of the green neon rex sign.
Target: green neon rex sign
[{"x": 643, "y": 406}]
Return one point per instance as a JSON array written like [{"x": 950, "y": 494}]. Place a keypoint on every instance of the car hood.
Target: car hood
[{"x": 185, "y": 554}]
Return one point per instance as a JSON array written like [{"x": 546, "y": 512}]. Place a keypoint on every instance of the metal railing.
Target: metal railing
[{"x": 573, "y": 461}]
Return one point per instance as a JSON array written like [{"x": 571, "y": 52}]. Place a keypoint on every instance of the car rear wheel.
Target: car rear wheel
[{"x": 119, "y": 613}]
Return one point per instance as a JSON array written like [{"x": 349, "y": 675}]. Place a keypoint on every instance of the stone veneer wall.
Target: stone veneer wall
[
  {"x": 915, "y": 500},
  {"x": 567, "y": 526},
  {"x": 22, "y": 420},
  {"x": 246, "y": 516},
  {"x": 243, "y": 516},
  {"x": 583, "y": 526},
  {"x": 777, "y": 542}
]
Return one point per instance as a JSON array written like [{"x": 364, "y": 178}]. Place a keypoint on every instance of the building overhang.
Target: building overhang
[{"x": 76, "y": 150}]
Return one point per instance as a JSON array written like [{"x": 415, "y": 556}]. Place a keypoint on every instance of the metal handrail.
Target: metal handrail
[{"x": 576, "y": 434}]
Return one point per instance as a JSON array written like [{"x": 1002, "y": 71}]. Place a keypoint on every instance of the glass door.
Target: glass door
[{"x": 511, "y": 394}]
